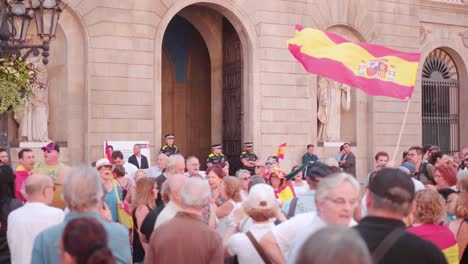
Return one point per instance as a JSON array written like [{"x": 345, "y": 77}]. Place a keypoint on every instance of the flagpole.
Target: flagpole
[{"x": 401, "y": 130}]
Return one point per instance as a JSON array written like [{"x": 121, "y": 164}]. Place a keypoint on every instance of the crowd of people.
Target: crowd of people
[{"x": 124, "y": 211}]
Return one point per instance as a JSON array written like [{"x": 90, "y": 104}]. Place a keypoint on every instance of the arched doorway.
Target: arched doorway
[
  {"x": 440, "y": 101},
  {"x": 202, "y": 83}
]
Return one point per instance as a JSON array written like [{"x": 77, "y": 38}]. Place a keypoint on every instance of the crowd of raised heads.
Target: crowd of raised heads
[{"x": 121, "y": 210}]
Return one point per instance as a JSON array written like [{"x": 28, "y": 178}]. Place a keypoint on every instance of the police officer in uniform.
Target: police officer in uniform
[
  {"x": 215, "y": 156},
  {"x": 248, "y": 159},
  {"x": 169, "y": 149}
]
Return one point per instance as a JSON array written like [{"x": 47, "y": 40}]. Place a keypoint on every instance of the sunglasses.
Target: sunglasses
[{"x": 48, "y": 150}]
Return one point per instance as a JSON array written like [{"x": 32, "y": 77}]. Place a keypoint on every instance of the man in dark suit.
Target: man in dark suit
[
  {"x": 348, "y": 160},
  {"x": 137, "y": 159}
]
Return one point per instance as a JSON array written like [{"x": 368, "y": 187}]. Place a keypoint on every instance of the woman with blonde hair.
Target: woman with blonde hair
[
  {"x": 143, "y": 202},
  {"x": 429, "y": 211},
  {"x": 459, "y": 227},
  {"x": 230, "y": 192},
  {"x": 140, "y": 174}
]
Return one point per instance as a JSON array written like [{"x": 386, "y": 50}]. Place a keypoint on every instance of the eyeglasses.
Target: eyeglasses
[
  {"x": 245, "y": 178},
  {"x": 342, "y": 202}
]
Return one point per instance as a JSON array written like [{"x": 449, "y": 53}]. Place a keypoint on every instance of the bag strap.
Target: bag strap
[
  {"x": 292, "y": 208},
  {"x": 259, "y": 248},
  {"x": 386, "y": 244},
  {"x": 116, "y": 192}
]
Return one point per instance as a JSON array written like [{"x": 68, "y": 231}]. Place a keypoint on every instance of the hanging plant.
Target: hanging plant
[{"x": 17, "y": 77}]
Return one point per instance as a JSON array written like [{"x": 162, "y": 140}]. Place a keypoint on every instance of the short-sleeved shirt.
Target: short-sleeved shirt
[
  {"x": 407, "y": 249},
  {"x": 50, "y": 170},
  {"x": 305, "y": 204},
  {"x": 46, "y": 247},
  {"x": 185, "y": 239},
  {"x": 213, "y": 159},
  {"x": 441, "y": 236},
  {"x": 249, "y": 157},
  {"x": 239, "y": 244},
  {"x": 166, "y": 149}
]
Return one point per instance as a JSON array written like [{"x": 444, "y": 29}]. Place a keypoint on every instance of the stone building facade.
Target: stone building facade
[{"x": 118, "y": 74}]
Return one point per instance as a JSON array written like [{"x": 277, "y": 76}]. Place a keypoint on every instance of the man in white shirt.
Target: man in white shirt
[
  {"x": 193, "y": 168},
  {"x": 176, "y": 182},
  {"x": 336, "y": 199},
  {"x": 159, "y": 168},
  {"x": 26, "y": 222},
  {"x": 130, "y": 169}
]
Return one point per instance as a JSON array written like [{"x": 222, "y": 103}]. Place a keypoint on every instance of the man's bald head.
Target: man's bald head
[{"x": 36, "y": 187}]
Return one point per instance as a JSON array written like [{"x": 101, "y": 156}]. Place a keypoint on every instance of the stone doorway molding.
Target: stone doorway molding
[{"x": 198, "y": 13}]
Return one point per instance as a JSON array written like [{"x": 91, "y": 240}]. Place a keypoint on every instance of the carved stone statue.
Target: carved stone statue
[
  {"x": 331, "y": 97},
  {"x": 33, "y": 119}
]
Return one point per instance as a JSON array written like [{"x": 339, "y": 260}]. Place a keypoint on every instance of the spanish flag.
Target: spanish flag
[
  {"x": 285, "y": 192},
  {"x": 374, "y": 69},
  {"x": 280, "y": 151},
  {"x": 107, "y": 153}
]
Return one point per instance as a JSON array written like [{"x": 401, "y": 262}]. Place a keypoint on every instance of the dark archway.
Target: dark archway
[
  {"x": 195, "y": 96},
  {"x": 186, "y": 88}
]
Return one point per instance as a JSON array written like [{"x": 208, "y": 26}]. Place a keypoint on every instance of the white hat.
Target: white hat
[
  {"x": 261, "y": 196},
  {"x": 102, "y": 162}
]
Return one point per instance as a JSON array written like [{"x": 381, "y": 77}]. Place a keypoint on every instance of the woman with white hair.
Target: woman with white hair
[
  {"x": 261, "y": 206},
  {"x": 244, "y": 177},
  {"x": 334, "y": 244}
]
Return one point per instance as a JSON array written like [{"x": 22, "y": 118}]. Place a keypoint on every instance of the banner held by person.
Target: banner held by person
[{"x": 374, "y": 69}]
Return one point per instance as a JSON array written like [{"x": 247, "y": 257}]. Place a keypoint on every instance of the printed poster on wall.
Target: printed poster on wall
[{"x": 126, "y": 147}]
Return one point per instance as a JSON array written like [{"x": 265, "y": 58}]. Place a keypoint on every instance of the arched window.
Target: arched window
[{"x": 440, "y": 101}]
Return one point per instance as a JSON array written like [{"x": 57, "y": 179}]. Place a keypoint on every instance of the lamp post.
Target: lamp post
[{"x": 15, "y": 18}]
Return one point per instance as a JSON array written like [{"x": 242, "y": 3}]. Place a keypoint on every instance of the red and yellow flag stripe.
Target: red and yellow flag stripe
[{"x": 375, "y": 69}]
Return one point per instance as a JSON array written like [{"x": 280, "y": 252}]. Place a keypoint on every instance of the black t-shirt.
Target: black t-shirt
[{"x": 407, "y": 249}]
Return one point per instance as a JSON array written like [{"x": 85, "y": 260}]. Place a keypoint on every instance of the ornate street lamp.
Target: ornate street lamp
[{"x": 15, "y": 18}]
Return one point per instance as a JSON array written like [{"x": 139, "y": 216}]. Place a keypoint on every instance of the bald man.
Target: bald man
[{"x": 25, "y": 223}]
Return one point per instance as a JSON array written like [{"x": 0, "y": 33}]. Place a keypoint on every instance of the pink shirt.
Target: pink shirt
[{"x": 21, "y": 176}]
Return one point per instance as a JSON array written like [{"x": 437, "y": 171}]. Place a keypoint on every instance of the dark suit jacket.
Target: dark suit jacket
[
  {"x": 144, "y": 161},
  {"x": 349, "y": 166}
]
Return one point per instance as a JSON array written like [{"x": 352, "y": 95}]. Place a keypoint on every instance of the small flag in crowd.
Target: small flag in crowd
[
  {"x": 285, "y": 192},
  {"x": 107, "y": 153},
  {"x": 374, "y": 69},
  {"x": 280, "y": 151}
]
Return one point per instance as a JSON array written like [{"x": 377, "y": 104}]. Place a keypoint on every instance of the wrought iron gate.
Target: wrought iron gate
[
  {"x": 232, "y": 95},
  {"x": 440, "y": 102}
]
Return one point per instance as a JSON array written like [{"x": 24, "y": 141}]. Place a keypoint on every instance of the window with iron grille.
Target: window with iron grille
[{"x": 440, "y": 102}]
